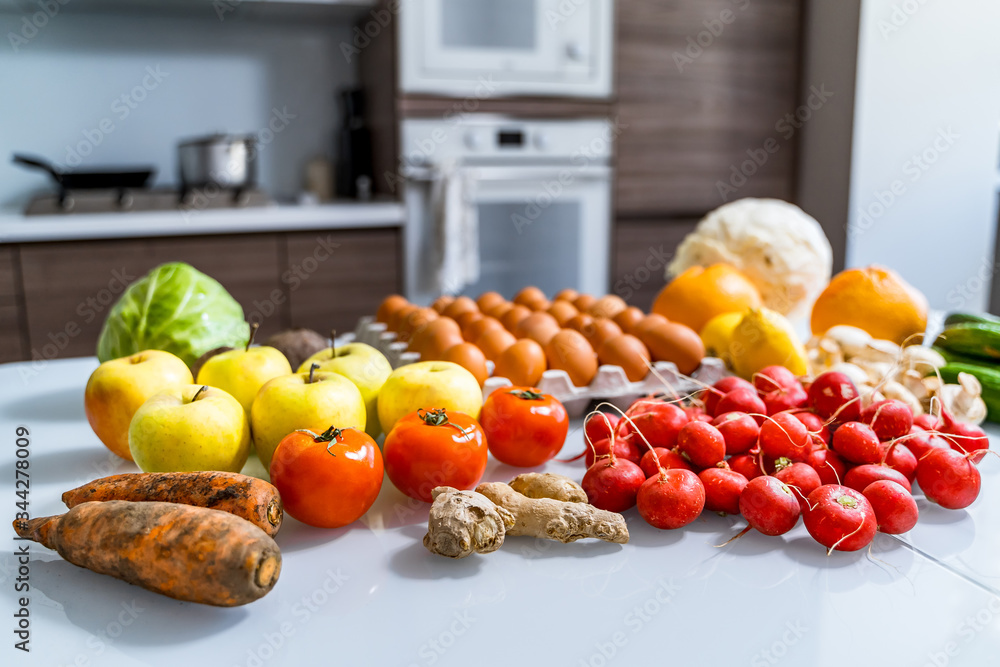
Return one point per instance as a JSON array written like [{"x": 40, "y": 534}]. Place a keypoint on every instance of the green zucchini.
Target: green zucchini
[
  {"x": 956, "y": 358},
  {"x": 972, "y": 339},
  {"x": 988, "y": 376},
  {"x": 973, "y": 318}
]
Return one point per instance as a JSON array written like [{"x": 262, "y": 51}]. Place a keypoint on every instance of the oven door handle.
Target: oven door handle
[{"x": 563, "y": 173}]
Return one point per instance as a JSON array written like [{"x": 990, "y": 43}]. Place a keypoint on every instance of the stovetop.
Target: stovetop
[{"x": 128, "y": 201}]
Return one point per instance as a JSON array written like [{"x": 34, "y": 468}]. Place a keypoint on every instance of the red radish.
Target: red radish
[
  {"x": 818, "y": 430},
  {"x": 929, "y": 422},
  {"x": 747, "y": 465},
  {"x": 741, "y": 399},
  {"x": 834, "y": 393},
  {"x": 770, "y": 378},
  {"x": 967, "y": 438},
  {"x": 660, "y": 422},
  {"x": 857, "y": 443},
  {"x": 948, "y": 478},
  {"x": 665, "y": 458},
  {"x": 694, "y": 412},
  {"x": 889, "y": 418},
  {"x": 671, "y": 499},
  {"x": 780, "y": 400},
  {"x": 769, "y": 505},
  {"x": 899, "y": 457},
  {"x": 895, "y": 509},
  {"x": 710, "y": 397},
  {"x": 739, "y": 430},
  {"x": 625, "y": 447},
  {"x": 920, "y": 442},
  {"x": 840, "y": 518},
  {"x": 784, "y": 435},
  {"x": 859, "y": 477},
  {"x": 828, "y": 464},
  {"x": 612, "y": 484},
  {"x": 800, "y": 477},
  {"x": 703, "y": 417},
  {"x": 702, "y": 444},
  {"x": 597, "y": 426},
  {"x": 723, "y": 487}
]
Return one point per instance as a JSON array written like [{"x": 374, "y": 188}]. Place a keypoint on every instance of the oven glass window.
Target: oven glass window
[
  {"x": 516, "y": 250},
  {"x": 488, "y": 24}
]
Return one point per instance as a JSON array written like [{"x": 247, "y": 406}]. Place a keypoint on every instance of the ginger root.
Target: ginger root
[
  {"x": 549, "y": 485},
  {"x": 555, "y": 519},
  {"x": 464, "y": 522}
]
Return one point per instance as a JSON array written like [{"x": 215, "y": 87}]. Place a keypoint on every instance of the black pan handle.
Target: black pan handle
[{"x": 38, "y": 164}]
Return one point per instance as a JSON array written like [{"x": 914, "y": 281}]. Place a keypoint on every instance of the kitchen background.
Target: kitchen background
[{"x": 879, "y": 118}]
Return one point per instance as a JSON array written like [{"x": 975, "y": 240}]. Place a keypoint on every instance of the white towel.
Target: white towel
[{"x": 456, "y": 227}]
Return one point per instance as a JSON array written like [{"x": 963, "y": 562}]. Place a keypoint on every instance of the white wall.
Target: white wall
[
  {"x": 56, "y": 90},
  {"x": 927, "y": 109}
]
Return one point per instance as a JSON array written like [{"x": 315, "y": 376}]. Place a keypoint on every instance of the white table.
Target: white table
[{"x": 370, "y": 594}]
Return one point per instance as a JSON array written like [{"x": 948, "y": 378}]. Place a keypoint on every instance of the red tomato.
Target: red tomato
[
  {"x": 430, "y": 448},
  {"x": 524, "y": 427},
  {"x": 327, "y": 480}
]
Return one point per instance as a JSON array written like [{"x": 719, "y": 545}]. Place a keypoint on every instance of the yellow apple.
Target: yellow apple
[
  {"x": 428, "y": 384},
  {"x": 363, "y": 365},
  {"x": 119, "y": 386},
  {"x": 242, "y": 372},
  {"x": 313, "y": 401},
  {"x": 187, "y": 428}
]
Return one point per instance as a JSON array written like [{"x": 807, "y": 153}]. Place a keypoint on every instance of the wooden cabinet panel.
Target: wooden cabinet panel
[
  {"x": 337, "y": 277},
  {"x": 689, "y": 114},
  {"x": 11, "y": 336},
  {"x": 643, "y": 248},
  {"x": 8, "y": 283},
  {"x": 69, "y": 287}
]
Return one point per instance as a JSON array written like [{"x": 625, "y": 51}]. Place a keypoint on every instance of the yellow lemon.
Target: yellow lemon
[
  {"x": 762, "y": 338},
  {"x": 716, "y": 334}
]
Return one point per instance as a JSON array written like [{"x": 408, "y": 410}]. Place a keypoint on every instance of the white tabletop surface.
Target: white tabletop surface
[{"x": 370, "y": 594}]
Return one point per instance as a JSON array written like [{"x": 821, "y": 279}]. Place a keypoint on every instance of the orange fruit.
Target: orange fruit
[
  {"x": 522, "y": 363},
  {"x": 469, "y": 357},
  {"x": 699, "y": 294},
  {"x": 875, "y": 299}
]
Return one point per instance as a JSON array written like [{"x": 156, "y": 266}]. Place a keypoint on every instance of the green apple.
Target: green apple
[
  {"x": 188, "y": 428},
  {"x": 313, "y": 400},
  {"x": 363, "y": 365},
  {"x": 242, "y": 372},
  {"x": 428, "y": 384},
  {"x": 119, "y": 386}
]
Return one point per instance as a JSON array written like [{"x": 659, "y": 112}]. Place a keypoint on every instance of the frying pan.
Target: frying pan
[{"x": 89, "y": 180}]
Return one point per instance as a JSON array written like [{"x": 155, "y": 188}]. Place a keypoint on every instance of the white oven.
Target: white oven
[
  {"x": 530, "y": 199},
  {"x": 496, "y": 48}
]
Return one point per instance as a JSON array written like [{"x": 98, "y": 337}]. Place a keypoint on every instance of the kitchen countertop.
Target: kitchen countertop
[
  {"x": 370, "y": 594},
  {"x": 15, "y": 227}
]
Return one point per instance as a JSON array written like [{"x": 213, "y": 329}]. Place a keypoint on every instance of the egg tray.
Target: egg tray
[{"x": 610, "y": 384}]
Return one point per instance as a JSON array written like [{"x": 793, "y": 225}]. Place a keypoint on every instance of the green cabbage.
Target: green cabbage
[{"x": 175, "y": 308}]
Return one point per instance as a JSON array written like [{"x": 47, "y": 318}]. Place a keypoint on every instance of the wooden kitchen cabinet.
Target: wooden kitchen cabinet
[
  {"x": 12, "y": 338},
  {"x": 642, "y": 249}
]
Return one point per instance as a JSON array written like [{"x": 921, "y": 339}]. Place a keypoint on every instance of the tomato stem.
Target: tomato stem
[
  {"x": 438, "y": 417},
  {"x": 527, "y": 394}
]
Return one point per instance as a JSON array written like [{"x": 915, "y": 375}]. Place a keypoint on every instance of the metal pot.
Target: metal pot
[{"x": 221, "y": 160}]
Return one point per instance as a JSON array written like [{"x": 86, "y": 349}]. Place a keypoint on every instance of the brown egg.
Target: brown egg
[
  {"x": 608, "y": 306},
  {"x": 522, "y": 363},
  {"x": 494, "y": 341},
  {"x": 529, "y": 295},
  {"x": 460, "y": 305},
  {"x": 488, "y": 300},
  {"x": 671, "y": 341},
  {"x": 513, "y": 317},
  {"x": 413, "y": 321},
  {"x": 584, "y": 302},
  {"x": 397, "y": 318},
  {"x": 469, "y": 357},
  {"x": 567, "y": 294},
  {"x": 478, "y": 327},
  {"x": 569, "y": 351},
  {"x": 540, "y": 306},
  {"x": 563, "y": 311},
  {"x": 499, "y": 310},
  {"x": 442, "y": 302},
  {"x": 540, "y": 327},
  {"x": 580, "y": 322},
  {"x": 601, "y": 330},
  {"x": 650, "y": 321},
  {"x": 628, "y": 318},
  {"x": 628, "y": 352},
  {"x": 467, "y": 318},
  {"x": 432, "y": 339},
  {"x": 389, "y": 306}
]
